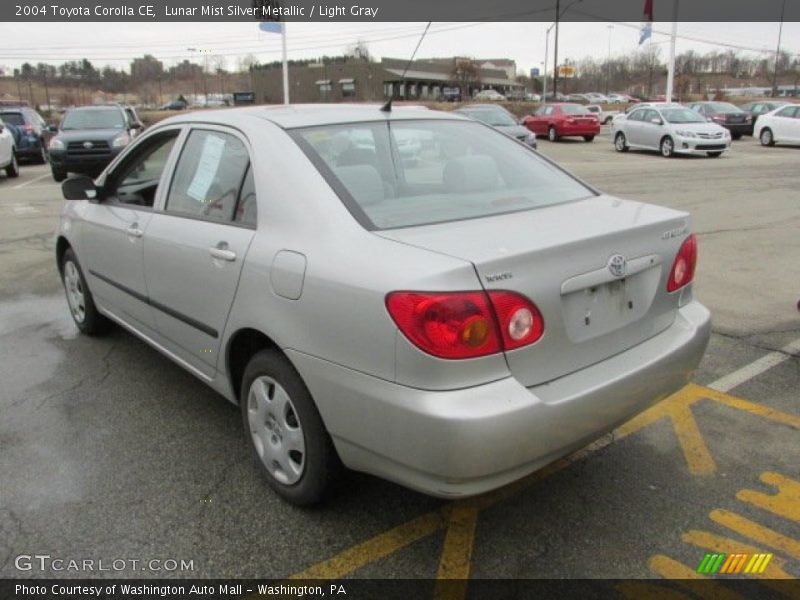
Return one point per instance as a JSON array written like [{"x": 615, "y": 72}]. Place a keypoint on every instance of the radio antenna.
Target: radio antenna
[{"x": 388, "y": 106}]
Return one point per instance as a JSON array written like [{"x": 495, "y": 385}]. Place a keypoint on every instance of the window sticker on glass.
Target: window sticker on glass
[{"x": 207, "y": 167}]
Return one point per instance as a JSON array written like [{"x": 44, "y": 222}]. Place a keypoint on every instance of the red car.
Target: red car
[{"x": 563, "y": 119}]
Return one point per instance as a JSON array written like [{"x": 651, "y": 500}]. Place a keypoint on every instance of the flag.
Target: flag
[
  {"x": 647, "y": 23},
  {"x": 271, "y": 26}
]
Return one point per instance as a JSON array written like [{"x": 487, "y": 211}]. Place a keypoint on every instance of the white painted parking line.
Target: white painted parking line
[
  {"x": 23, "y": 209},
  {"x": 27, "y": 183},
  {"x": 755, "y": 368}
]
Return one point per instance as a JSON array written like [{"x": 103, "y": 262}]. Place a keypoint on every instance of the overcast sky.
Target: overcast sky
[{"x": 118, "y": 43}]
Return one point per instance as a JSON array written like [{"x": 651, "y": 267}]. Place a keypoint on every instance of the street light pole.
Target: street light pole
[
  {"x": 546, "y": 48},
  {"x": 608, "y": 62}
]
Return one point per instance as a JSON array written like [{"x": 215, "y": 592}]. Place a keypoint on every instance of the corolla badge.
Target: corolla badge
[{"x": 617, "y": 265}]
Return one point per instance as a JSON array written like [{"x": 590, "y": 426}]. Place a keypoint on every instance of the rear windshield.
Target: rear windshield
[
  {"x": 94, "y": 118},
  {"x": 12, "y": 118},
  {"x": 574, "y": 109},
  {"x": 409, "y": 173},
  {"x": 724, "y": 107},
  {"x": 495, "y": 118}
]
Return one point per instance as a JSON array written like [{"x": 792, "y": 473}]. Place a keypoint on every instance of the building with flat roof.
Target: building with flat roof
[{"x": 347, "y": 79}]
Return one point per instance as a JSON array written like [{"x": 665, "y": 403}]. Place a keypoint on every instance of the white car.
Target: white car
[
  {"x": 605, "y": 116},
  {"x": 782, "y": 125},
  {"x": 8, "y": 156},
  {"x": 489, "y": 95},
  {"x": 670, "y": 129},
  {"x": 617, "y": 99}
]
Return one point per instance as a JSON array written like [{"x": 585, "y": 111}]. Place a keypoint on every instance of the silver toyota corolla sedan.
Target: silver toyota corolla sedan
[
  {"x": 670, "y": 129},
  {"x": 408, "y": 293}
]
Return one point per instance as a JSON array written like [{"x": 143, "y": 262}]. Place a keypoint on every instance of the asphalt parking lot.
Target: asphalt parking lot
[{"x": 108, "y": 450}]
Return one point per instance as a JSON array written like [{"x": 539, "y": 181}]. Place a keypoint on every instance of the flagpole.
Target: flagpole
[
  {"x": 671, "y": 64},
  {"x": 285, "y": 64}
]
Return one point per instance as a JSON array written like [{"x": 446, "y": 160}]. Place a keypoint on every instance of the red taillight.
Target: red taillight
[
  {"x": 682, "y": 271},
  {"x": 465, "y": 324}
]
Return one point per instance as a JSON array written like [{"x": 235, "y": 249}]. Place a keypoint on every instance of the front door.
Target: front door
[
  {"x": 114, "y": 227},
  {"x": 195, "y": 246}
]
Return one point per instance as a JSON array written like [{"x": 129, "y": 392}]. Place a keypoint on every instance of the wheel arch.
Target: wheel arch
[
  {"x": 241, "y": 347},
  {"x": 62, "y": 245}
]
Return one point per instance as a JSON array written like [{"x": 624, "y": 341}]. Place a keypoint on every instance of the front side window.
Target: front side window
[
  {"x": 208, "y": 176},
  {"x": 408, "y": 173},
  {"x": 135, "y": 180},
  {"x": 573, "y": 109}
]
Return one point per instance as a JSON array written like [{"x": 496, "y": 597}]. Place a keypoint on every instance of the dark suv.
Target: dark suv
[
  {"x": 89, "y": 137},
  {"x": 31, "y": 134}
]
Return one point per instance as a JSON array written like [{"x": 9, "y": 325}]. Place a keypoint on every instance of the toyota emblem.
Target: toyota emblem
[
  {"x": 617, "y": 265},
  {"x": 88, "y": 145}
]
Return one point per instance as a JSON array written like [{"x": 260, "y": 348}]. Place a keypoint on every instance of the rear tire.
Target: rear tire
[
  {"x": 81, "y": 304},
  {"x": 12, "y": 170},
  {"x": 588, "y": 138},
  {"x": 766, "y": 137},
  {"x": 620, "y": 143},
  {"x": 667, "y": 147},
  {"x": 59, "y": 175},
  {"x": 736, "y": 136},
  {"x": 552, "y": 135},
  {"x": 284, "y": 431}
]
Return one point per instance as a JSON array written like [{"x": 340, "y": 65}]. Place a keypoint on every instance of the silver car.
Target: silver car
[
  {"x": 451, "y": 321},
  {"x": 670, "y": 129}
]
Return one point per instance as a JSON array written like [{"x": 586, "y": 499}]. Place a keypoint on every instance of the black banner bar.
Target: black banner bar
[
  {"x": 390, "y": 589},
  {"x": 392, "y": 10}
]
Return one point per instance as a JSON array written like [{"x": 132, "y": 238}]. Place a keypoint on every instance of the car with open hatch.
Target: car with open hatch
[
  {"x": 670, "y": 129},
  {"x": 451, "y": 321}
]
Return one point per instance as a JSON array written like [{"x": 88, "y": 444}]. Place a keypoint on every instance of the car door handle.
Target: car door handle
[
  {"x": 134, "y": 231},
  {"x": 222, "y": 253}
]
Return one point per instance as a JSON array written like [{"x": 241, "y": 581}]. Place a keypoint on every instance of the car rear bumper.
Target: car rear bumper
[
  {"x": 580, "y": 129},
  {"x": 464, "y": 442}
]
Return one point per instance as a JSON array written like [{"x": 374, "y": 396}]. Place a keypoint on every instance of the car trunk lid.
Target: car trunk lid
[{"x": 565, "y": 259}]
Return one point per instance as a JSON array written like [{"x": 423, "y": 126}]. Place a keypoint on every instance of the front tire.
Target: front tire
[
  {"x": 588, "y": 138},
  {"x": 552, "y": 135},
  {"x": 12, "y": 170},
  {"x": 766, "y": 137},
  {"x": 81, "y": 303},
  {"x": 620, "y": 143},
  {"x": 667, "y": 147},
  {"x": 736, "y": 136},
  {"x": 285, "y": 432},
  {"x": 59, "y": 175}
]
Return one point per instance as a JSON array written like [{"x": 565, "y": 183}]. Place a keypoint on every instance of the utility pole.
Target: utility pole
[
  {"x": 608, "y": 62},
  {"x": 671, "y": 63},
  {"x": 546, "y": 47},
  {"x": 778, "y": 53},
  {"x": 555, "y": 54}
]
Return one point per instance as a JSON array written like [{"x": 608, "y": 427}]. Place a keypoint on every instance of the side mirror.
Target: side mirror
[
  {"x": 52, "y": 128},
  {"x": 80, "y": 188},
  {"x": 656, "y": 121}
]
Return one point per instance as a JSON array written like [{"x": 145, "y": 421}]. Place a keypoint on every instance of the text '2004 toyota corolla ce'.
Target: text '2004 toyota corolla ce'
[{"x": 408, "y": 293}]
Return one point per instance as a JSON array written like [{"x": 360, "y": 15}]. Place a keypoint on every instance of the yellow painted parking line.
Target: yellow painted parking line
[
  {"x": 718, "y": 543},
  {"x": 456, "y": 554},
  {"x": 752, "y": 407},
  {"x": 377, "y": 547},
  {"x": 756, "y": 532},
  {"x": 672, "y": 569},
  {"x": 786, "y": 503}
]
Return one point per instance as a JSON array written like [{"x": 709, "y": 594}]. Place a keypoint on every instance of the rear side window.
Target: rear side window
[
  {"x": 208, "y": 176},
  {"x": 419, "y": 172}
]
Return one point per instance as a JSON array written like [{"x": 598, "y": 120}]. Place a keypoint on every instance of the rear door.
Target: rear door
[
  {"x": 794, "y": 124},
  {"x": 196, "y": 243}
]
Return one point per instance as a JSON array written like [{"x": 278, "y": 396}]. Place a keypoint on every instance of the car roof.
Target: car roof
[
  {"x": 311, "y": 115},
  {"x": 95, "y": 107}
]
